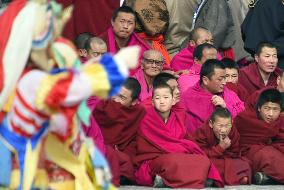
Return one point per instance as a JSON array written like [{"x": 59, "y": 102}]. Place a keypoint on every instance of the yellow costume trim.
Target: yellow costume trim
[
  {"x": 61, "y": 155},
  {"x": 15, "y": 179},
  {"x": 46, "y": 84},
  {"x": 64, "y": 185},
  {"x": 8, "y": 104},
  {"x": 31, "y": 161},
  {"x": 99, "y": 79},
  {"x": 41, "y": 179}
]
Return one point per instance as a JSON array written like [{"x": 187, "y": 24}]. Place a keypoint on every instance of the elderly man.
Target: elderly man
[
  {"x": 152, "y": 65},
  {"x": 201, "y": 99},
  {"x": 264, "y": 72},
  {"x": 201, "y": 53},
  {"x": 121, "y": 34}
]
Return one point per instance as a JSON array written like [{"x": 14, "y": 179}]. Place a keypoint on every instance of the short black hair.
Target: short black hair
[
  {"x": 198, "y": 51},
  {"x": 269, "y": 95},
  {"x": 123, "y": 9},
  {"x": 261, "y": 45},
  {"x": 134, "y": 86},
  {"x": 164, "y": 85},
  {"x": 230, "y": 63},
  {"x": 81, "y": 40},
  {"x": 220, "y": 112},
  {"x": 162, "y": 78},
  {"x": 208, "y": 68}
]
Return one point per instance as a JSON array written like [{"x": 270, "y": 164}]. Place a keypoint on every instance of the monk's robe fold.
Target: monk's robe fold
[
  {"x": 251, "y": 80},
  {"x": 184, "y": 59},
  {"x": 231, "y": 166},
  {"x": 164, "y": 149},
  {"x": 146, "y": 91},
  {"x": 239, "y": 90},
  {"x": 190, "y": 79},
  {"x": 109, "y": 38},
  {"x": 119, "y": 125},
  {"x": 199, "y": 105},
  {"x": 89, "y": 16},
  {"x": 262, "y": 143}
]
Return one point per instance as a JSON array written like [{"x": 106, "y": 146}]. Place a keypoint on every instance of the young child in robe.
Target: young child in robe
[
  {"x": 219, "y": 139},
  {"x": 166, "y": 156}
]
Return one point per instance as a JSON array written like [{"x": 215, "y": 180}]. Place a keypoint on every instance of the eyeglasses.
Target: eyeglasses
[{"x": 152, "y": 61}]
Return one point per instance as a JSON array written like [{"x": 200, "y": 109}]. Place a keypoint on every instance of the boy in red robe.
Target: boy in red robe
[
  {"x": 219, "y": 139},
  {"x": 262, "y": 137},
  {"x": 165, "y": 155},
  {"x": 232, "y": 78},
  {"x": 118, "y": 120}
]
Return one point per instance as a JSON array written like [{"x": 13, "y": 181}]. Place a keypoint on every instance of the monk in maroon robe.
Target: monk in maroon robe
[
  {"x": 264, "y": 72},
  {"x": 184, "y": 59},
  {"x": 165, "y": 154},
  {"x": 262, "y": 137},
  {"x": 219, "y": 139},
  {"x": 119, "y": 120},
  {"x": 201, "y": 99},
  {"x": 232, "y": 78},
  {"x": 122, "y": 34}
]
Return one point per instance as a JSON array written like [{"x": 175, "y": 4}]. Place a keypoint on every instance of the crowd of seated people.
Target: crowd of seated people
[
  {"x": 195, "y": 120},
  {"x": 200, "y": 121}
]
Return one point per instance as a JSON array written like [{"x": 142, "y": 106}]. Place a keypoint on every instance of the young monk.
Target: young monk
[
  {"x": 232, "y": 78},
  {"x": 119, "y": 119},
  {"x": 164, "y": 154},
  {"x": 219, "y": 139},
  {"x": 262, "y": 137}
]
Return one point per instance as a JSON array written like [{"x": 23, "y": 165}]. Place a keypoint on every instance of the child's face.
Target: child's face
[
  {"x": 232, "y": 75},
  {"x": 221, "y": 127},
  {"x": 163, "y": 100}
]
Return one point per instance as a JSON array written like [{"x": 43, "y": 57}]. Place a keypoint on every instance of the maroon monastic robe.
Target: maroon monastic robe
[
  {"x": 251, "y": 80},
  {"x": 164, "y": 149},
  {"x": 119, "y": 125},
  {"x": 238, "y": 89},
  {"x": 262, "y": 143},
  {"x": 231, "y": 166},
  {"x": 89, "y": 16},
  {"x": 199, "y": 106}
]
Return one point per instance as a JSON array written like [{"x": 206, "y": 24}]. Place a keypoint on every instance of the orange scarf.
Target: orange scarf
[{"x": 157, "y": 44}]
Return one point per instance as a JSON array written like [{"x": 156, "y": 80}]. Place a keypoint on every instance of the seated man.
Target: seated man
[
  {"x": 201, "y": 99},
  {"x": 80, "y": 43},
  {"x": 232, "y": 77},
  {"x": 121, "y": 34},
  {"x": 118, "y": 120},
  {"x": 262, "y": 134},
  {"x": 201, "y": 53},
  {"x": 262, "y": 73},
  {"x": 184, "y": 59},
  {"x": 152, "y": 65},
  {"x": 164, "y": 154},
  {"x": 95, "y": 47},
  {"x": 219, "y": 139}
]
